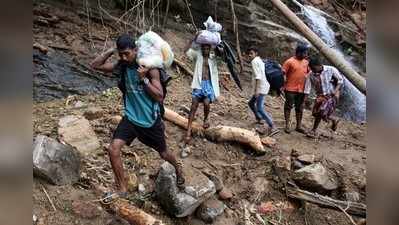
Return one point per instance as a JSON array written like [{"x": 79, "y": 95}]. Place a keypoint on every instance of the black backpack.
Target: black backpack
[
  {"x": 274, "y": 75},
  {"x": 164, "y": 77}
]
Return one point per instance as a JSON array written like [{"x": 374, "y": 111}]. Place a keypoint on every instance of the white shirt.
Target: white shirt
[
  {"x": 326, "y": 75},
  {"x": 258, "y": 70},
  {"x": 213, "y": 68}
]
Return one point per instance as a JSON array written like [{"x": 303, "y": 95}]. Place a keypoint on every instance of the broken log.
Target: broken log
[
  {"x": 132, "y": 214},
  {"x": 219, "y": 133},
  {"x": 329, "y": 53},
  {"x": 126, "y": 211},
  {"x": 353, "y": 208}
]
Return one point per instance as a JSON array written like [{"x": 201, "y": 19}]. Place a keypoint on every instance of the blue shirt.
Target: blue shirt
[{"x": 140, "y": 108}]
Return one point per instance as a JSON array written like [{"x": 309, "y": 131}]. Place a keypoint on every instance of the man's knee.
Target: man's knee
[{"x": 114, "y": 149}]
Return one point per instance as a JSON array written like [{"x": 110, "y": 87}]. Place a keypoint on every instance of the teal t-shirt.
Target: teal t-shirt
[{"x": 140, "y": 108}]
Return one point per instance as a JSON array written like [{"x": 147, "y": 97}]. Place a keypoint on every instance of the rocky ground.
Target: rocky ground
[{"x": 257, "y": 188}]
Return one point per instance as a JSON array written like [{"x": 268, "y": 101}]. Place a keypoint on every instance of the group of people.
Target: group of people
[{"x": 143, "y": 95}]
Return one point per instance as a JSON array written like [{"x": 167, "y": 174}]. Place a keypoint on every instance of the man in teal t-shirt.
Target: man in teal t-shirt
[{"x": 142, "y": 94}]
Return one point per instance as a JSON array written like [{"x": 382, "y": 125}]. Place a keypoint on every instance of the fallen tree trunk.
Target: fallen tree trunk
[
  {"x": 219, "y": 133},
  {"x": 132, "y": 214},
  {"x": 329, "y": 53},
  {"x": 126, "y": 211},
  {"x": 353, "y": 208}
]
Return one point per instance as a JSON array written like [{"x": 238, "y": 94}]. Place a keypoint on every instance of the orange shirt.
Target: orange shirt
[{"x": 296, "y": 72}]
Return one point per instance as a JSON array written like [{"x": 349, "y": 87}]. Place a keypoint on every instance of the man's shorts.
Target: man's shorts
[
  {"x": 294, "y": 99},
  {"x": 206, "y": 92},
  {"x": 153, "y": 137}
]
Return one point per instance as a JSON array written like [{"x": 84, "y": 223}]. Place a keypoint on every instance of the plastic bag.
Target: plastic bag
[
  {"x": 212, "y": 26},
  {"x": 207, "y": 37},
  {"x": 211, "y": 35},
  {"x": 153, "y": 51}
]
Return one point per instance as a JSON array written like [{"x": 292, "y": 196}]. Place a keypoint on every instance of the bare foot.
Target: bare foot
[
  {"x": 312, "y": 134},
  {"x": 334, "y": 125},
  {"x": 287, "y": 130}
]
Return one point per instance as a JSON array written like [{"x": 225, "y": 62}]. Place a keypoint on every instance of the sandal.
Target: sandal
[
  {"x": 179, "y": 176},
  {"x": 300, "y": 130},
  {"x": 312, "y": 134},
  {"x": 273, "y": 132}
]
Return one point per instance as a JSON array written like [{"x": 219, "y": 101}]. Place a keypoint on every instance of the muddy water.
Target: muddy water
[{"x": 56, "y": 75}]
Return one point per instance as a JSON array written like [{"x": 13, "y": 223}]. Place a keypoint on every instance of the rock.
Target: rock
[
  {"x": 55, "y": 162},
  {"x": 283, "y": 163},
  {"x": 307, "y": 158},
  {"x": 225, "y": 194},
  {"x": 181, "y": 203},
  {"x": 210, "y": 209},
  {"x": 93, "y": 113},
  {"x": 297, "y": 164},
  {"x": 79, "y": 104},
  {"x": 315, "y": 177},
  {"x": 266, "y": 207},
  {"x": 85, "y": 209},
  {"x": 76, "y": 131},
  {"x": 34, "y": 217}
]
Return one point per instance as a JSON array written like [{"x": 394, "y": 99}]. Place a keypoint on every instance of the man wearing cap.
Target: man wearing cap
[{"x": 296, "y": 70}]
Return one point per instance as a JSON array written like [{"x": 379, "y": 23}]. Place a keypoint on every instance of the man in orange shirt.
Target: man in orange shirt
[{"x": 296, "y": 70}]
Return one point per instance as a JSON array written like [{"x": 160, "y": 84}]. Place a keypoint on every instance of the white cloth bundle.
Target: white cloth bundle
[{"x": 153, "y": 51}]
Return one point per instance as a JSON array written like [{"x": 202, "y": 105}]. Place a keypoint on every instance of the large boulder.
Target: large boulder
[
  {"x": 315, "y": 177},
  {"x": 210, "y": 210},
  {"x": 77, "y": 132},
  {"x": 181, "y": 203},
  {"x": 55, "y": 162}
]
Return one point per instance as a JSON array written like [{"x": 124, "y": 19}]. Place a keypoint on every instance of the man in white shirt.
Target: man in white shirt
[
  {"x": 205, "y": 84},
  {"x": 326, "y": 82},
  {"x": 261, "y": 89}
]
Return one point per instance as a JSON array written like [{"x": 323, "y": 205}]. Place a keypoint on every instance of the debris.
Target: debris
[
  {"x": 93, "y": 113},
  {"x": 307, "y": 158},
  {"x": 181, "y": 203},
  {"x": 77, "y": 131},
  {"x": 48, "y": 198},
  {"x": 85, "y": 210},
  {"x": 141, "y": 189},
  {"x": 269, "y": 142},
  {"x": 352, "y": 196},
  {"x": 132, "y": 182},
  {"x": 210, "y": 209},
  {"x": 41, "y": 48},
  {"x": 55, "y": 162},
  {"x": 34, "y": 219},
  {"x": 266, "y": 207},
  {"x": 315, "y": 177},
  {"x": 216, "y": 180},
  {"x": 353, "y": 208},
  {"x": 114, "y": 120}
]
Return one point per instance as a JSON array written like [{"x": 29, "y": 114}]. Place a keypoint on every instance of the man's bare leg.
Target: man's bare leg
[
  {"x": 207, "y": 107},
  {"x": 316, "y": 123},
  {"x": 193, "y": 110},
  {"x": 169, "y": 157},
  {"x": 287, "y": 116},
  {"x": 114, "y": 152}
]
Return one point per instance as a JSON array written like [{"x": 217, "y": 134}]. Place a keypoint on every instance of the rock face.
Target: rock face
[
  {"x": 259, "y": 24},
  {"x": 315, "y": 177},
  {"x": 307, "y": 158},
  {"x": 210, "y": 209},
  {"x": 181, "y": 203},
  {"x": 55, "y": 162},
  {"x": 76, "y": 131}
]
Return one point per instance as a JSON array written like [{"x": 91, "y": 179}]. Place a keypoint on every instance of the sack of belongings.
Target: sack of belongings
[
  {"x": 212, "y": 33},
  {"x": 153, "y": 51}
]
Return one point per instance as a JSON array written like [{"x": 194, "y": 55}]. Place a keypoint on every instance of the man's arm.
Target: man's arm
[
  {"x": 100, "y": 62},
  {"x": 153, "y": 85},
  {"x": 340, "y": 82}
]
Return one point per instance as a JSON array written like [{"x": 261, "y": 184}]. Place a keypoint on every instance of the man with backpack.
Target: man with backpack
[
  {"x": 296, "y": 70},
  {"x": 261, "y": 89},
  {"x": 142, "y": 95}
]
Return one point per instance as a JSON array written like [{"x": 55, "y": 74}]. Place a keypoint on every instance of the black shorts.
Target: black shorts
[
  {"x": 294, "y": 99},
  {"x": 153, "y": 137}
]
